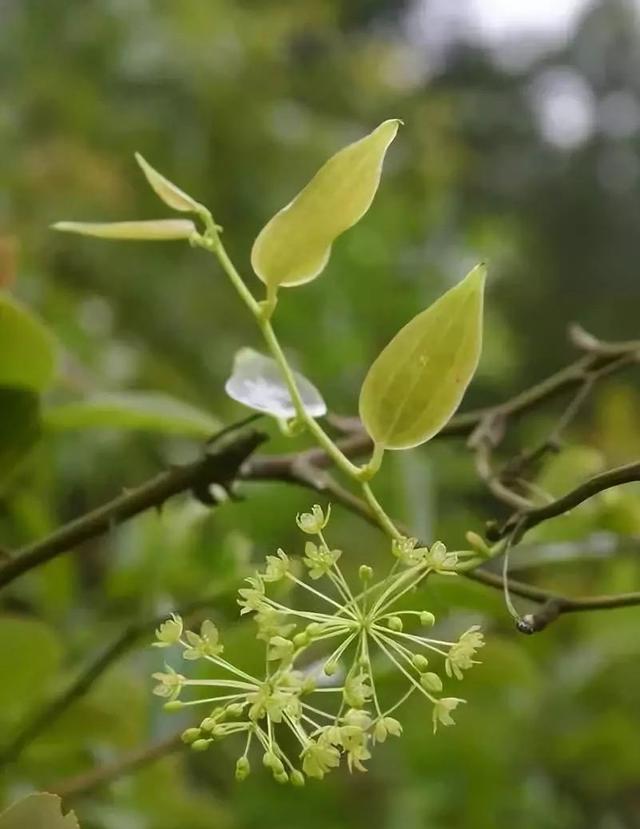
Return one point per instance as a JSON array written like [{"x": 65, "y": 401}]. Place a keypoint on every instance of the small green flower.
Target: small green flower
[
  {"x": 460, "y": 657},
  {"x": 277, "y": 567},
  {"x": 280, "y": 648},
  {"x": 169, "y": 632},
  {"x": 319, "y": 559},
  {"x": 315, "y": 521},
  {"x": 252, "y": 598},
  {"x": 205, "y": 644},
  {"x": 440, "y": 561},
  {"x": 405, "y": 550},
  {"x": 170, "y": 683},
  {"x": 319, "y": 757},
  {"x": 356, "y": 692},
  {"x": 442, "y": 709},
  {"x": 272, "y": 623}
]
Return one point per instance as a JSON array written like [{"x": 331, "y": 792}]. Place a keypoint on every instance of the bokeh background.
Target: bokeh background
[{"x": 521, "y": 146}]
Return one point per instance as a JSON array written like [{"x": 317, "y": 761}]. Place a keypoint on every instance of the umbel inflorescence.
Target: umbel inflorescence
[
  {"x": 302, "y": 717},
  {"x": 321, "y": 666}
]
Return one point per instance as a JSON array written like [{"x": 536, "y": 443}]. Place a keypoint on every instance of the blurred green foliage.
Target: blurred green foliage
[{"x": 239, "y": 102}]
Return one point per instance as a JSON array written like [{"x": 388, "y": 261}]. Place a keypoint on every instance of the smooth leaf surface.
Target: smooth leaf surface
[
  {"x": 417, "y": 382},
  {"x": 27, "y": 349},
  {"x": 145, "y": 411},
  {"x": 38, "y": 811},
  {"x": 257, "y": 382},
  {"x": 295, "y": 245},
  {"x": 171, "y": 195},
  {"x": 152, "y": 230},
  {"x": 19, "y": 427}
]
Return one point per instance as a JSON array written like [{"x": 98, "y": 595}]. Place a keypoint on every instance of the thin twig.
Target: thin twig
[
  {"x": 219, "y": 465},
  {"x": 88, "y": 781}
]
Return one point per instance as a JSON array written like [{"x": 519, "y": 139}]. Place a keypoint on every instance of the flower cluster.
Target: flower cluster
[{"x": 334, "y": 710}]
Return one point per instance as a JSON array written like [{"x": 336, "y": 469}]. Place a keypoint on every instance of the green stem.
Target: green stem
[
  {"x": 262, "y": 312},
  {"x": 383, "y": 519}
]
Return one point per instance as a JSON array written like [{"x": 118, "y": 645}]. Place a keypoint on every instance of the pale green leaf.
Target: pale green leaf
[
  {"x": 38, "y": 811},
  {"x": 27, "y": 349},
  {"x": 295, "y": 245},
  {"x": 19, "y": 427},
  {"x": 145, "y": 411},
  {"x": 257, "y": 382},
  {"x": 171, "y": 195},
  {"x": 153, "y": 230},
  {"x": 417, "y": 382}
]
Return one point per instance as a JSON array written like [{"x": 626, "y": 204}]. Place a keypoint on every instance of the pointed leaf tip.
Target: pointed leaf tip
[
  {"x": 418, "y": 380},
  {"x": 295, "y": 245},
  {"x": 166, "y": 190}
]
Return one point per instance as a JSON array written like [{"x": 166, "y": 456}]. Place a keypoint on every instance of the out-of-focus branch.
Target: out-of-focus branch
[
  {"x": 102, "y": 775},
  {"x": 48, "y": 713},
  {"x": 530, "y": 517}
]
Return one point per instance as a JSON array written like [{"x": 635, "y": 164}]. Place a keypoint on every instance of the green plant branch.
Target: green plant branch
[
  {"x": 86, "y": 782},
  {"x": 219, "y": 464}
]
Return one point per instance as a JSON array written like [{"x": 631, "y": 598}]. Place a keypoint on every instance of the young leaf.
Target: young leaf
[
  {"x": 146, "y": 411},
  {"x": 257, "y": 382},
  {"x": 27, "y": 349},
  {"x": 294, "y": 246},
  {"x": 418, "y": 380},
  {"x": 139, "y": 231},
  {"x": 171, "y": 195},
  {"x": 38, "y": 811}
]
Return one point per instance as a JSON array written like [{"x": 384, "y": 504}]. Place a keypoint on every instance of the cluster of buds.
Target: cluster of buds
[{"x": 335, "y": 710}]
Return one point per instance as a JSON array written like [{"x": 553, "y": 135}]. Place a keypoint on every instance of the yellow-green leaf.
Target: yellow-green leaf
[
  {"x": 295, "y": 245},
  {"x": 418, "y": 381},
  {"x": 27, "y": 349},
  {"x": 38, "y": 811},
  {"x": 171, "y": 195},
  {"x": 140, "y": 231}
]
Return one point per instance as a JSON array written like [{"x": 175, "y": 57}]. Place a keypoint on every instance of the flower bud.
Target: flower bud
[
  {"x": 431, "y": 682},
  {"x": 420, "y": 662},
  {"x": 301, "y": 639},
  {"x": 208, "y": 724},
  {"x": 478, "y": 543},
  {"x": 243, "y": 768},
  {"x": 365, "y": 572},
  {"x": 313, "y": 630},
  {"x": 395, "y": 623},
  {"x": 200, "y": 745},
  {"x": 297, "y": 778},
  {"x": 281, "y": 777},
  {"x": 427, "y": 619},
  {"x": 190, "y": 735},
  {"x": 330, "y": 668},
  {"x": 173, "y": 705},
  {"x": 235, "y": 709},
  {"x": 270, "y": 760}
]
